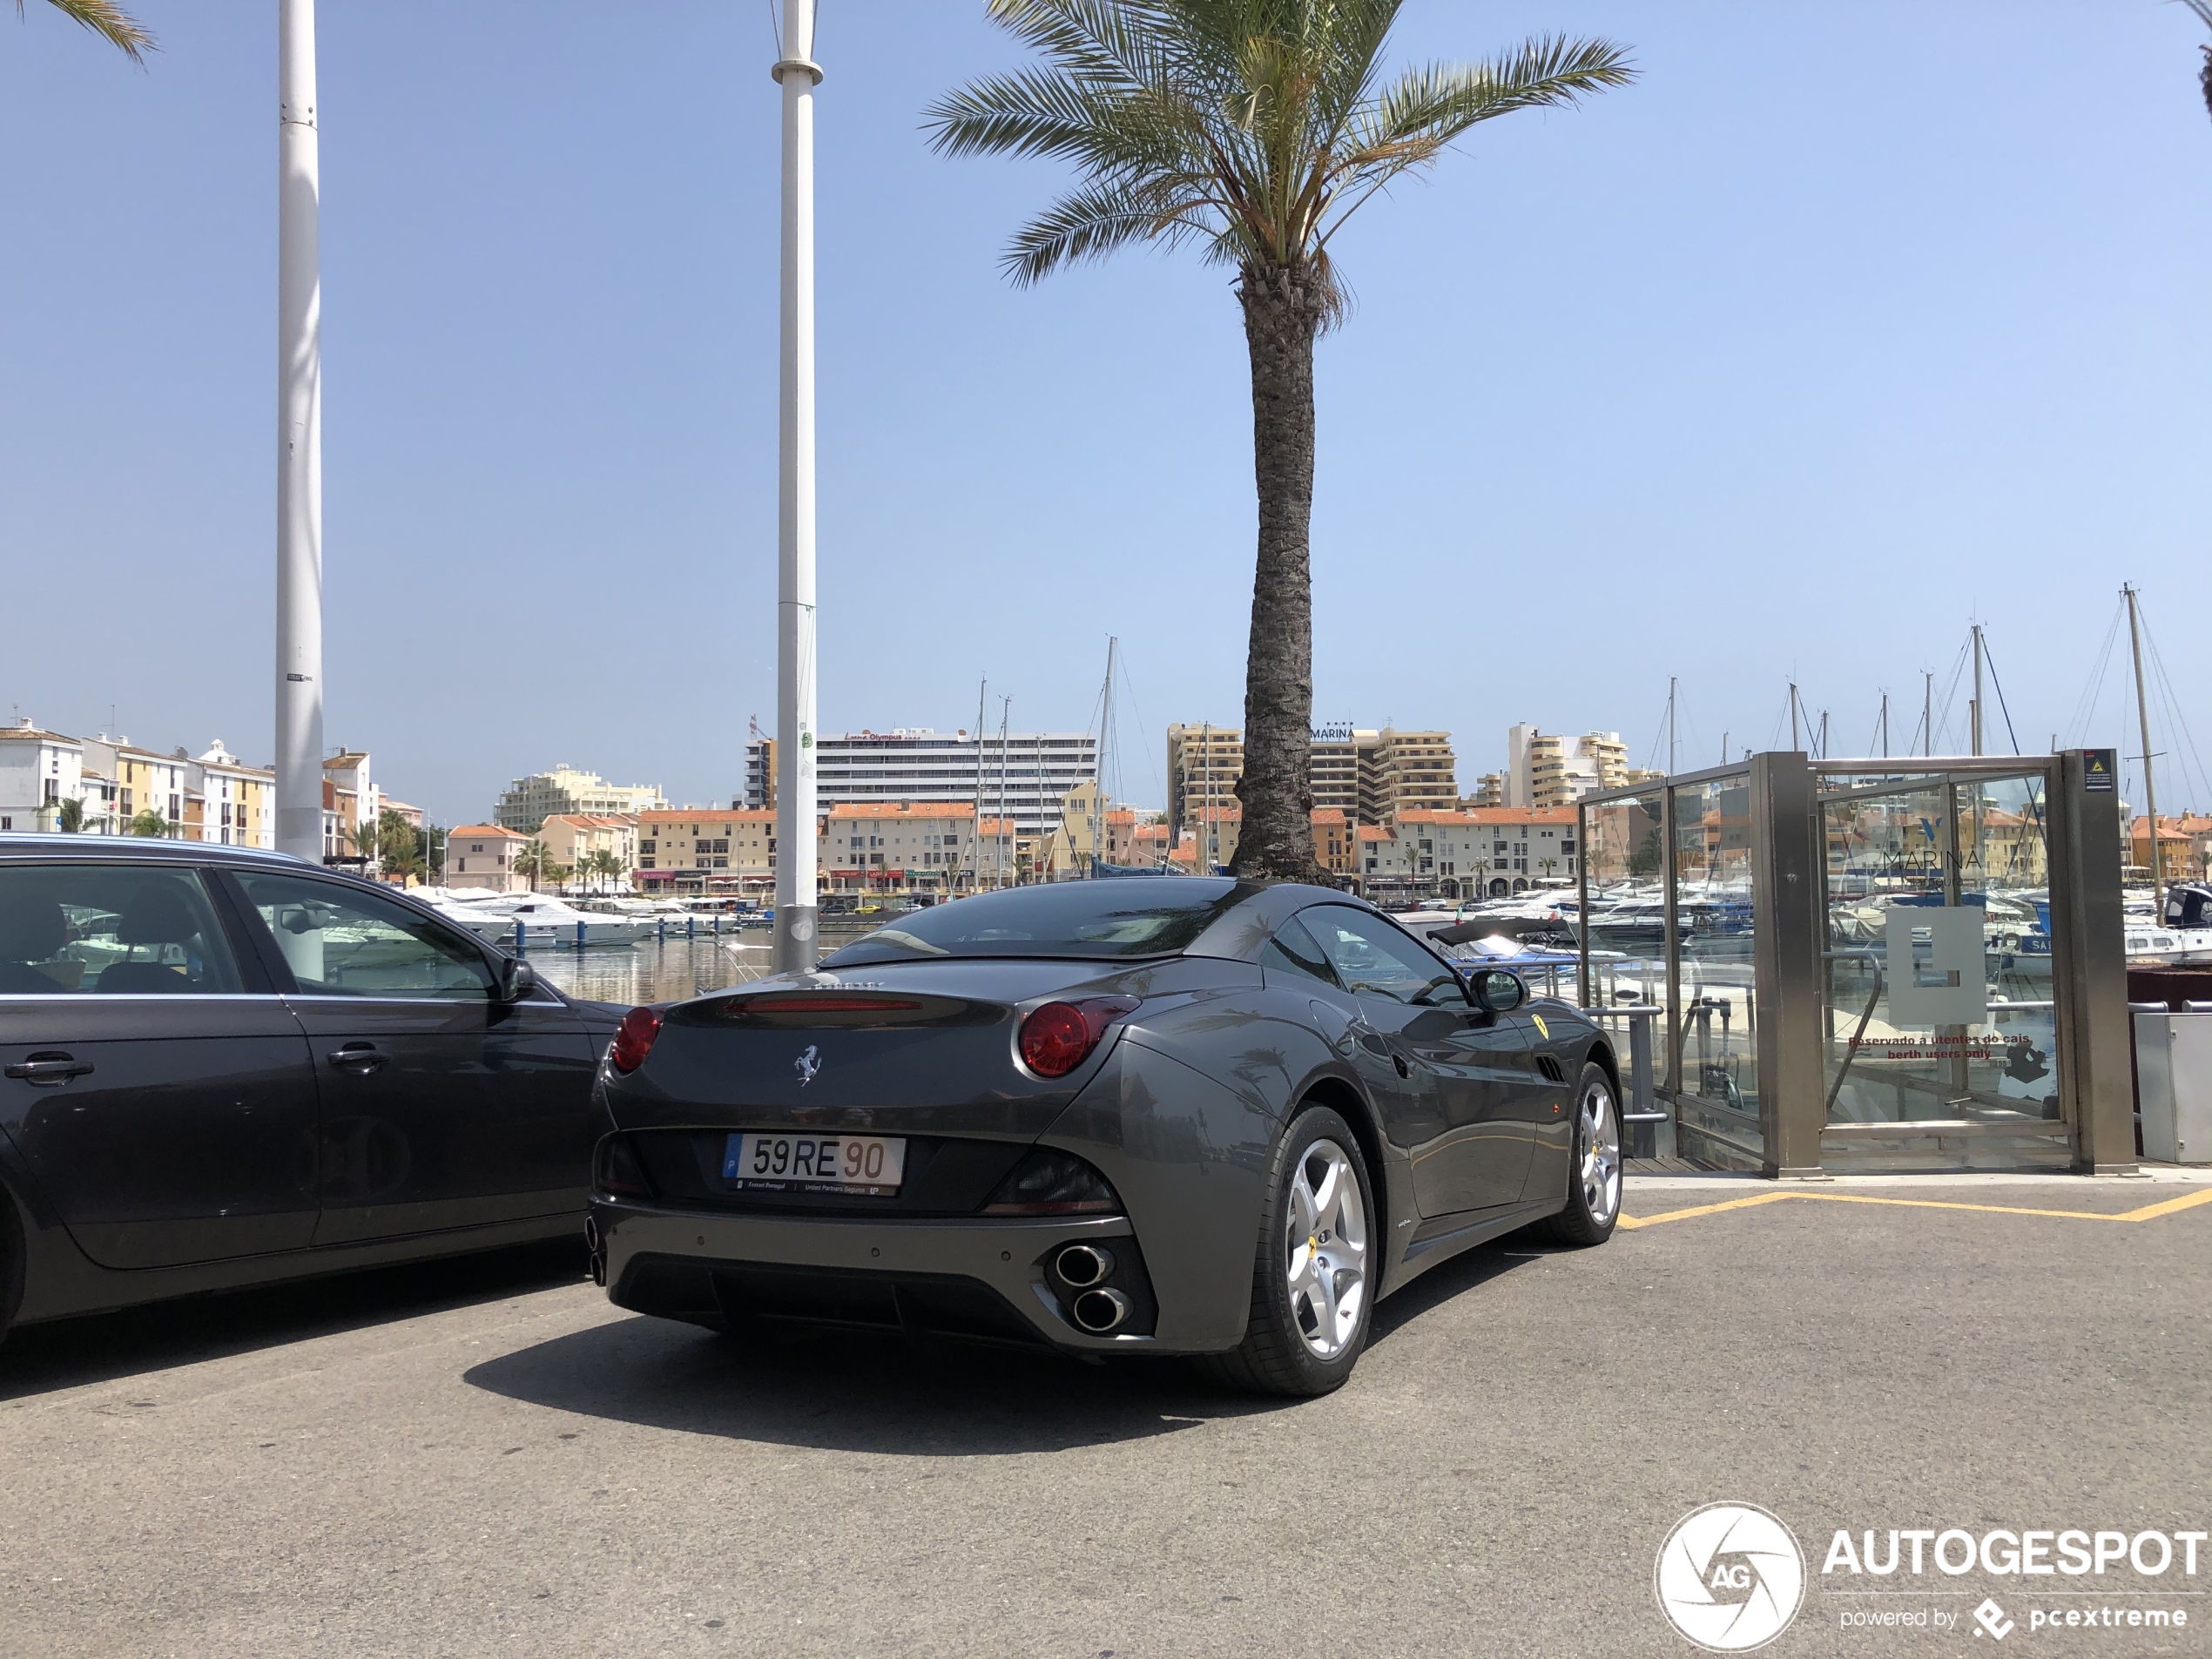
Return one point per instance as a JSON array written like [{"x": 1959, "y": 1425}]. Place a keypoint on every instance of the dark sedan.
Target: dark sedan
[
  {"x": 1171, "y": 1116},
  {"x": 224, "y": 1067}
]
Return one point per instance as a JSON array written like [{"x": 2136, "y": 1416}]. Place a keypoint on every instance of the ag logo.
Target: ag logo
[{"x": 1730, "y": 1577}]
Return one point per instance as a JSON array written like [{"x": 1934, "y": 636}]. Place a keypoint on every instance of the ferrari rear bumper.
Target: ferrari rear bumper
[{"x": 996, "y": 1279}]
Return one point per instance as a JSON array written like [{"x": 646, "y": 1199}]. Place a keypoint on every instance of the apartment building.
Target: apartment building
[
  {"x": 1021, "y": 775},
  {"x": 482, "y": 856},
  {"x": 528, "y": 802},
  {"x": 1491, "y": 851},
  {"x": 1368, "y": 775},
  {"x": 38, "y": 771},
  {"x": 1205, "y": 763},
  {"x": 1068, "y": 851},
  {"x": 1545, "y": 769},
  {"x": 237, "y": 803},
  {"x": 707, "y": 849},
  {"x": 1207, "y": 845},
  {"x": 884, "y": 846},
  {"x": 573, "y": 839}
]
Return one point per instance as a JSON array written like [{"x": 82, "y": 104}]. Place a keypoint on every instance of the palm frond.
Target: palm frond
[
  {"x": 110, "y": 22},
  {"x": 2202, "y": 8},
  {"x": 1255, "y": 125},
  {"x": 1090, "y": 223}
]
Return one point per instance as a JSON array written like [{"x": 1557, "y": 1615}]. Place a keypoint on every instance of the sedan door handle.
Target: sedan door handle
[
  {"x": 50, "y": 1068},
  {"x": 363, "y": 1057}
]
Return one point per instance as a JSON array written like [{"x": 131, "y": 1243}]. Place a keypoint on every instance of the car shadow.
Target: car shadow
[
  {"x": 853, "y": 1390},
  {"x": 68, "y": 1353},
  {"x": 841, "y": 1390},
  {"x": 1468, "y": 1270}
]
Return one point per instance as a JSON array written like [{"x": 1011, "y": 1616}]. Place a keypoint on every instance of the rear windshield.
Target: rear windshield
[{"x": 1116, "y": 916}]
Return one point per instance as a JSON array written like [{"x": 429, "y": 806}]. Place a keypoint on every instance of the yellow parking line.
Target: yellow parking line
[{"x": 2147, "y": 1212}]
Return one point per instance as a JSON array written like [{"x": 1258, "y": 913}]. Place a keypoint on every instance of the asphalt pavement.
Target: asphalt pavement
[{"x": 486, "y": 1458}]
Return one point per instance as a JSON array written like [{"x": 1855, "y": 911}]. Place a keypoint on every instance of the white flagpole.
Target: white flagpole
[
  {"x": 299, "y": 686},
  {"x": 795, "y": 877}
]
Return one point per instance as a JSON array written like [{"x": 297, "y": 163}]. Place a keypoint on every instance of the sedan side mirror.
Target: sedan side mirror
[
  {"x": 1496, "y": 991},
  {"x": 516, "y": 980}
]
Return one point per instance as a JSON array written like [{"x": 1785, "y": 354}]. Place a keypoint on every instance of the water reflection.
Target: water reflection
[{"x": 666, "y": 970}]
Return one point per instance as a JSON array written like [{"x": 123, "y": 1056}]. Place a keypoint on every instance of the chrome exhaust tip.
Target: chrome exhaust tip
[
  {"x": 1099, "y": 1312},
  {"x": 1082, "y": 1264}
]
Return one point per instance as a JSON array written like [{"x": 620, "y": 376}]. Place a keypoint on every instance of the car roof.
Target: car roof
[{"x": 21, "y": 844}]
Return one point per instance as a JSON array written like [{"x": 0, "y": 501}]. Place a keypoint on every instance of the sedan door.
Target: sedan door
[
  {"x": 1416, "y": 1005},
  {"x": 155, "y": 1084},
  {"x": 443, "y": 1105}
]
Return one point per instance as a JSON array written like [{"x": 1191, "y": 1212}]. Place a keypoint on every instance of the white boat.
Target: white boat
[{"x": 545, "y": 921}]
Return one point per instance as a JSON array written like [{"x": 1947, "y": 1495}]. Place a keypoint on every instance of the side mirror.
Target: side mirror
[
  {"x": 1496, "y": 991},
  {"x": 516, "y": 980}
]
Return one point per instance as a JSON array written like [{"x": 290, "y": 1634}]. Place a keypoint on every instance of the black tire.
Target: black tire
[
  {"x": 1285, "y": 1337},
  {"x": 1588, "y": 1218}
]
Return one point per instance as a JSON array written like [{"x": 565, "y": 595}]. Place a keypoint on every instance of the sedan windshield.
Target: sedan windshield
[{"x": 1117, "y": 916}]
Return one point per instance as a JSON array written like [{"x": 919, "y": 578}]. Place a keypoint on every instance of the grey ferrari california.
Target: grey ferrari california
[{"x": 1182, "y": 1115}]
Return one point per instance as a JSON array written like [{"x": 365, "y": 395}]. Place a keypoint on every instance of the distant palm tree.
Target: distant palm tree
[
  {"x": 148, "y": 822},
  {"x": 533, "y": 861},
  {"x": 110, "y": 22},
  {"x": 68, "y": 816},
  {"x": 1254, "y": 128},
  {"x": 2203, "y": 8}
]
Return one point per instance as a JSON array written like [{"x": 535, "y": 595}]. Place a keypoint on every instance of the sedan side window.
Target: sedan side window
[
  {"x": 1374, "y": 959},
  {"x": 340, "y": 942},
  {"x": 1293, "y": 951},
  {"x": 110, "y": 930}
]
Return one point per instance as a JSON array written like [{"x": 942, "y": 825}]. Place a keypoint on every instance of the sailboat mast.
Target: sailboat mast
[
  {"x": 1976, "y": 709},
  {"x": 1674, "y": 759},
  {"x": 1006, "y": 718},
  {"x": 1886, "y": 726},
  {"x": 2150, "y": 792},
  {"x": 1098, "y": 782},
  {"x": 1795, "y": 740},
  {"x": 975, "y": 835},
  {"x": 1927, "y": 712}
]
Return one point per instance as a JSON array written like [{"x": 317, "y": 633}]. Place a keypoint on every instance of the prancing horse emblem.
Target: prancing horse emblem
[{"x": 807, "y": 1064}]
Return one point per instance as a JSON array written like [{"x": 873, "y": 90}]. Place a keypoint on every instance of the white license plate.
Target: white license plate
[{"x": 867, "y": 1166}]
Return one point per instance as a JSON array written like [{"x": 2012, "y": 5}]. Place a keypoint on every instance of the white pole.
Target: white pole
[
  {"x": 299, "y": 688},
  {"x": 795, "y": 877}
]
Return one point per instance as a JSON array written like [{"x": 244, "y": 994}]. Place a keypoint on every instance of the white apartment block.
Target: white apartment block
[
  {"x": 1022, "y": 776},
  {"x": 38, "y": 771},
  {"x": 530, "y": 801},
  {"x": 1491, "y": 850},
  {"x": 1545, "y": 769}
]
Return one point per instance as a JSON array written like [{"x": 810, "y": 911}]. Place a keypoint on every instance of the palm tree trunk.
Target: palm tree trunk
[{"x": 1283, "y": 313}]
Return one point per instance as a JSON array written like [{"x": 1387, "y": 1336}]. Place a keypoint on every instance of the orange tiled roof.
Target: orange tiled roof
[{"x": 482, "y": 832}]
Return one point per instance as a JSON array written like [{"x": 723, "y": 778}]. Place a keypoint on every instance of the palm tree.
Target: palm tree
[
  {"x": 533, "y": 861},
  {"x": 148, "y": 822},
  {"x": 2203, "y": 8},
  {"x": 69, "y": 816},
  {"x": 110, "y": 22},
  {"x": 1254, "y": 128}
]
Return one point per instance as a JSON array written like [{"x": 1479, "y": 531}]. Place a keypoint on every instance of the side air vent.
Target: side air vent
[{"x": 1550, "y": 1067}]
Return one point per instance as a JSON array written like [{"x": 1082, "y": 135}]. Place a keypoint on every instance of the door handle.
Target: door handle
[
  {"x": 363, "y": 1057},
  {"x": 50, "y": 1068}
]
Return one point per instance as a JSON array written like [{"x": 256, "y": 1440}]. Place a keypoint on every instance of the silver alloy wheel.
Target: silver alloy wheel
[
  {"x": 1598, "y": 1140},
  {"x": 1327, "y": 1229}
]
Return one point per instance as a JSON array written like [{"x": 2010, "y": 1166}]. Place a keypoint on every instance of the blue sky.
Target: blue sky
[{"x": 1842, "y": 326}]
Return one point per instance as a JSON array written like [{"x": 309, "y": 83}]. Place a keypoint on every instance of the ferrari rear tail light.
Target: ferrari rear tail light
[
  {"x": 634, "y": 1039},
  {"x": 1059, "y": 1037},
  {"x": 1051, "y": 1183}
]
